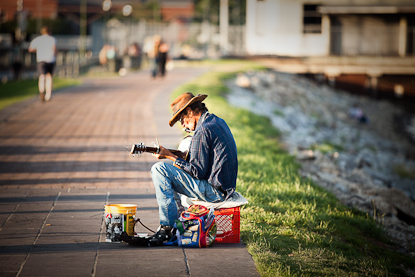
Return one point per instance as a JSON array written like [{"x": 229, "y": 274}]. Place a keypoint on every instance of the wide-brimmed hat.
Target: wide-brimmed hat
[{"x": 181, "y": 102}]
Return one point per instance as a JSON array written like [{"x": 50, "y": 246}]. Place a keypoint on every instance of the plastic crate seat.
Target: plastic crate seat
[{"x": 228, "y": 225}]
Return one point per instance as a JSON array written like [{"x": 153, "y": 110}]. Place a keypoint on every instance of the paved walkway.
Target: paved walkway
[{"x": 62, "y": 162}]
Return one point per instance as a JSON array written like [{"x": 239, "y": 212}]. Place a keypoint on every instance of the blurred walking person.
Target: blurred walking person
[
  {"x": 45, "y": 48},
  {"x": 153, "y": 55},
  {"x": 162, "y": 57},
  {"x": 158, "y": 55}
]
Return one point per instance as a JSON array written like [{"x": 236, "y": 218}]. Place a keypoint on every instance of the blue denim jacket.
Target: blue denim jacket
[{"x": 213, "y": 155}]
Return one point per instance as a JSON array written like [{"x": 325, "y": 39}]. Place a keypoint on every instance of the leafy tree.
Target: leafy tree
[{"x": 209, "y": 10}]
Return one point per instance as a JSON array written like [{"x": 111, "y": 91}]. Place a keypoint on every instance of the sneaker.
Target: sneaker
[{"x": 163, "y": 234}]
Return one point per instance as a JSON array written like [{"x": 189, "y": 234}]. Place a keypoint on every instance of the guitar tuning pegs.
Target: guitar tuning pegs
[{"x": 142, "y": 147}]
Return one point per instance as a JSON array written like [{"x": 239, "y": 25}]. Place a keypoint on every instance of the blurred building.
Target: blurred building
[
  {"x": 331, "y": 27},
  {"x": 181, "y": 10},
  {"x": 369, "y": 46},
  {"x": 34, "y": 8}
]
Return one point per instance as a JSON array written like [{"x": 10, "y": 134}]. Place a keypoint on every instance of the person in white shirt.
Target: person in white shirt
[{"x": 45, "y": 48}]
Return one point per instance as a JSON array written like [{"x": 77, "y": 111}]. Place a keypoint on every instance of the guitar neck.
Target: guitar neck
[
  {"x": 154, "y": 150},
  {"x": 140, "y": 148}
]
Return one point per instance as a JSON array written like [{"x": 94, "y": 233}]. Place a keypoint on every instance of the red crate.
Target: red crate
[{"x": 228, "y": 225}]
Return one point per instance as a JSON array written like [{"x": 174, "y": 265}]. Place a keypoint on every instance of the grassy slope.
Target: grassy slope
[
  {"x": 292, "y": 226},
  {"x": 14, "y": 92}
]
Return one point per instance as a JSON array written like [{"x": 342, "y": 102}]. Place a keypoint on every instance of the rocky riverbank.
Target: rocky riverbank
[{"x": 367, "y": 163}]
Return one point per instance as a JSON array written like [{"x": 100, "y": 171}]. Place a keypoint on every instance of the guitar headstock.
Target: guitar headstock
[{"x": 138, "y": 148}]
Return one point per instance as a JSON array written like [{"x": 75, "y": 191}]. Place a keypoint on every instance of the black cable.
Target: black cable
[{"x": 138, "y": 220}]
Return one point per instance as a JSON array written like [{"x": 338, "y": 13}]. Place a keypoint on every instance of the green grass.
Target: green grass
[
  {"x": 326, "y": 147},
  {"x": 17, "y": 91},
  {"x": 291, "y": 226}
]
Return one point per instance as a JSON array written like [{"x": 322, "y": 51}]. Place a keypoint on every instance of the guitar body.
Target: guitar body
[{"x": 184, "y": 146}]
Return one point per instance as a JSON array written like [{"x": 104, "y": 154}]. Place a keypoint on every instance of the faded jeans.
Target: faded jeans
[{"x": 169, "y": 180}]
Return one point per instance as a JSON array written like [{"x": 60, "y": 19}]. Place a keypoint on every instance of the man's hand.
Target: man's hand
[{"x": 165, "y": 154}]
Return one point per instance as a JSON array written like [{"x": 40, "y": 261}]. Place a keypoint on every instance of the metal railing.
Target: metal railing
[{"x": 200, "y": 39}]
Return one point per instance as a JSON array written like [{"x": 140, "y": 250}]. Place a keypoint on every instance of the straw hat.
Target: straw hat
[{"x": 182, "y": 102}]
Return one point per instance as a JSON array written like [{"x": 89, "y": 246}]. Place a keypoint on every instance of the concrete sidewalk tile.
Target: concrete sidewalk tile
[
  {"x": 29, "y": 215},
  {"x": 10, "y": 264},
  {"x": 80, "y": 202},
  {"x": 142, "y": 261},
  {"x": 6, "y": 209},
  {"x": 84, "y": 197},
  {"x": 74, "y": 219},
  {"x": 220, "y": 257},
  {"x": 26, "y": 220},
  {"x": 80, "y": 240},
  {"x": 65, "y": 263},
  {"x": 17, "y": 240}
]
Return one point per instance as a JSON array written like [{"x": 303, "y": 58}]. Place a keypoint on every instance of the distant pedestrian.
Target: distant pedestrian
[
  {"x": 153, "y": 55},
  {"x": 159, "y": 56},
  {"x": 45, "y": 48},
  {"x": 102, "y": 56},
  {"x": 162, "y": 57}
]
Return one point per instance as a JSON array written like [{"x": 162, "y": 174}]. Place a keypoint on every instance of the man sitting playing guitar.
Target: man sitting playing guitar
[{"x": 210, "y": 172}]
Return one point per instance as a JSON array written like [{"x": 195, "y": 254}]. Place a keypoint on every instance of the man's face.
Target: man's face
[{"x": 187, "y": 119}]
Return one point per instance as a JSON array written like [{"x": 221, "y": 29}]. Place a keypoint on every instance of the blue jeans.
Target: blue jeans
[{"x": 169, "y": 180}]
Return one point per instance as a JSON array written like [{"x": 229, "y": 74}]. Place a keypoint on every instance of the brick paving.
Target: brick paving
[{"x": 61, "y": 162}]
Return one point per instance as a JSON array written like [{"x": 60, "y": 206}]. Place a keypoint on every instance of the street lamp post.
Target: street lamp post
[
  {"x": 83, "y": 31},
  {"x": 126, "y": 11},
  {"x": 106, "y": 6}
]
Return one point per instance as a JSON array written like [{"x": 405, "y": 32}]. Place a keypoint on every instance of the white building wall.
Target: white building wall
[{"x": 275, "y": 27}]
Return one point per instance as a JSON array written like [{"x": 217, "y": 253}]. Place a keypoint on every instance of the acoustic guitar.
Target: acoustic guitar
[{"x": 182, "y": 152}]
